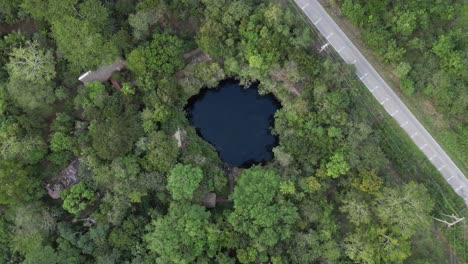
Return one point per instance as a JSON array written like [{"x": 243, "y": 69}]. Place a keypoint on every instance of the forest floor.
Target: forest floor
[
  {"x": 26, "y": 26},
  {"x": 437, "y": 124}
]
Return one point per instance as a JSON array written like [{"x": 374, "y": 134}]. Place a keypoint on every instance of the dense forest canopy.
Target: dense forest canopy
[{"x": 129, "y": 192}]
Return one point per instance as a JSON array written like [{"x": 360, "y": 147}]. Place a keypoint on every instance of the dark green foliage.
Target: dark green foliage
[
  {"x": 159, "y": 58},
  {"x": 19, "y": 184}
]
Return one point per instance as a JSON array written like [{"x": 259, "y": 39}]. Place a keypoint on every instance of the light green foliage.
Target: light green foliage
[
  {"x": 18, "y": 183},
  {"x": 287, "y": 187},
  {"x": 19, "y": 145},
  {"x": 31, "y": 70},
  {"x": 403, "y": 69},
  {"x": 309, "y": 184},
  {"x": 259, "y": 212},
  {"x": 127, "y": 89},
  {"x": 183, "y": 235},
  {"x": 407, "y": 86},
  {"x": 337, "y": 166},
  {"x": 404, "y": 209},
  {"x": 368, "y": 182},
  {"x": 61, "y": 141},
  {"x": 357, "y": 210},
  {"x": 359, "y": 250},
  {"x": 31, "y": 63},
  {"x": 136, "y": 61},
  {"x": 405, "y": 23},
  {"x": 34, "y": 98},
  {"x": 76, "y": 198},
  {"x": 95, "y": 89},
  {"x": 183, "y": 181}
]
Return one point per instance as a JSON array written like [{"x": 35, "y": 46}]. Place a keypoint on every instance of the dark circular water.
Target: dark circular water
[{"x": 236, "y": 121}]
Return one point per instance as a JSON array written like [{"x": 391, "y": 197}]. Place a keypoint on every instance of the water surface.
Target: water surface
[{"x": 236, "y": 121}]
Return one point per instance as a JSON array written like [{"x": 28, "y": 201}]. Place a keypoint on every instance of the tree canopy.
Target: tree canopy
[{"x": 113, "y": 171}]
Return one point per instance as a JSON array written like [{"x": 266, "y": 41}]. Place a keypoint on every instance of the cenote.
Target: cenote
[{"x": 236, "y": 121}]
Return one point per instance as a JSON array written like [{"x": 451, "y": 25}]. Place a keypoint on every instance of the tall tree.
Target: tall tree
[
  {"x": 260, "y": 211},
  {"x": 404, "y": 209},
  {"x": 31, "y": 63},
  {"x": 18, "y": 183},
  {"x": 184, "y": 235},
  {"x": 183, "y": 181}
]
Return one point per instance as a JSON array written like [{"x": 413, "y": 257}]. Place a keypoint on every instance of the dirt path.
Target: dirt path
[{"x": 27, "y": 26}]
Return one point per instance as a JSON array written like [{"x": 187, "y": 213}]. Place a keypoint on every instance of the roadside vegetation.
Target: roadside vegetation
[
  {"x": 423, "y": 45},
  {"x": 92, "y": 173}
]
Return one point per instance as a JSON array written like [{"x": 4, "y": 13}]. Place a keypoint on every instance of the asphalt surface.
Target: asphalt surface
[{"x": 385, "y": 96}]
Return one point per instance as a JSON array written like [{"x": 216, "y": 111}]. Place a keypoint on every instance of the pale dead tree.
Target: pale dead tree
[
  {"x": 455, "y": 220},
  {"x": 87, "y": 221}
]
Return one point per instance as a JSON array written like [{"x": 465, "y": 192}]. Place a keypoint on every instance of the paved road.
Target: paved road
[{"x": 385, "y": 95}]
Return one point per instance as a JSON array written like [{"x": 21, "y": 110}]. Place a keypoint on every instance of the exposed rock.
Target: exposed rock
[
  {"x": 210, "y": 200},
  {"x": 67, "y": 178},
  {"x": 180, "y": 136}
]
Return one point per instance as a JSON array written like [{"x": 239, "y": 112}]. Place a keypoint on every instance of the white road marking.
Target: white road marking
[
  {"x": 450, "y": 178},
  {"x": 364, "y": 76},
  {"x": 318, "y": 21},
  {"x": 394, "y": 113},
  {"x": 354, "y": 62},
  {"x": 406, "y": 123},
  {"x": 423, "y": 146},
  {"x": 306, "y": 5},
  {"x": 384, "y": 101},
  {"x": 435, "y": 155},
  {"x": 329, "y": 36},
  {"x": 458, "y": 188},
  {"x": 340, "y": 49},
  {"x": 442, "y": 167},
  {"x": 414, "y": 134}
]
